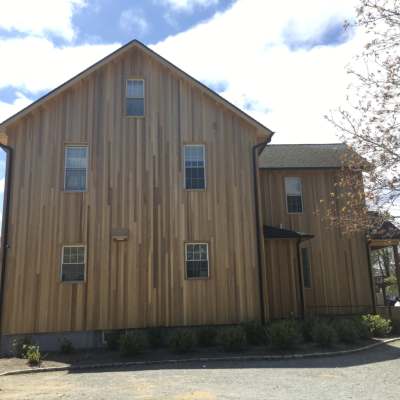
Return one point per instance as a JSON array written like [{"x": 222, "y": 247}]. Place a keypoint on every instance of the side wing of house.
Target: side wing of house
[
  {"x": 331, "y": 266},
  {"x": 133, "y": 177}
]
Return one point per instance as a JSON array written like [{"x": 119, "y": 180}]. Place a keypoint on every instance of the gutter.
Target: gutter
[
  {"x": 257, "y": 149},
  {"x": 301, "y": 285},
  {"x": 371, "y": 278},
  {"x": 4, "y": 229}
]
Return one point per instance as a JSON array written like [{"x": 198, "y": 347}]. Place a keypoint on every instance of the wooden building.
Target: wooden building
[{"x": 131, "y": 202}]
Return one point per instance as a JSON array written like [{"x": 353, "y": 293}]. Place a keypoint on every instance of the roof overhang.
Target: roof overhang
[
  {"x": 261, "y": 130},
  {"x": 376, "y": 244},
  {"x": 272, "y": 232}
]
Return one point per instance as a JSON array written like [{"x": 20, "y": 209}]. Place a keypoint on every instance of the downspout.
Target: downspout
[
  {"x": 257, "y": 149},
  {"x": 371, "y": 279},
  {"x": 4, "y": 229},
  {"x": 301, "y": 287}
]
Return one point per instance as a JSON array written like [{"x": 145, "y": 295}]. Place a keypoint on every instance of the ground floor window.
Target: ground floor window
[
  {"x": 196, "y": 260},
  {"x": 305, "y": 260},
  {"x": 73, "y": 263}
]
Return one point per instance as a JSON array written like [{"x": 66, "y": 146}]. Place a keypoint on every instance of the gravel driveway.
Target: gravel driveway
[{"x": 373, "y": 374}]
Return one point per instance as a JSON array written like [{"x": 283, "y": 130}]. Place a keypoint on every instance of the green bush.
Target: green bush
[
  {"x": 232, "y": 338},
  {"x": 112, "y": 340},
  {"x": 324, "y": 334},
  {"x": 377, "y": 325},
  {"x": 286, "y": 334},
  {"x": 132, "y": 343},
  {"x": 346, "y": 330},
  {"x": 256, "y": 333},
  {"x": 32, "y": 354},
  {"x": 308, "y": 327},
  {"x": 19, "y": 346},
  {"x": 156, "y": 337},
  {"x": 362, "y": 328},
  {"x": 182, "y": 340},
  {"x": 66, "y": 346},
  {"x": 207, "y": 337}
]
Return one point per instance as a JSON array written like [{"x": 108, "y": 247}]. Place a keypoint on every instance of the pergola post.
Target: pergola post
[{"x": 397, "y": 264}]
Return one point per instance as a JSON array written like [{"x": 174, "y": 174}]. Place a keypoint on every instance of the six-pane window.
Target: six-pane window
[
  {"x": 194, "y": 167},
  {"x": 196, "y": 258},
  {"x": 135, "y": 97},
  {"x": 305, "y": 259},
  {"x": 294, "y": 199},
  {"x": 73, "y": 263},
  {"x": 75, "y": 168}
]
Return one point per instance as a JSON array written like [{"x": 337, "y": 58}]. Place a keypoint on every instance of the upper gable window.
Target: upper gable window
[
  {"x": 75, "y": 175},
  {"x": 195, "y": 178},
  {"x": 294, "y": 197},
  {"x": 134, "y": 97}
]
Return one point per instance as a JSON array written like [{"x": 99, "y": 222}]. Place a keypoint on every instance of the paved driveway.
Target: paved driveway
[{"x": 368, "y": 375}]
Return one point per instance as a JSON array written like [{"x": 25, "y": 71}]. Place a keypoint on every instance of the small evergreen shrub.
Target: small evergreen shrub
[
  {"x": 286, "y": 334},
  {"x": 156, "y": 337},
  {"x": 256, "y": 333},
  {"x": 66, "y": 346},
  {"x": 32, "y": 354},
  {"x": 207, "y": 337},
  {"x": 308, "y": 326},
  {"x": 232, "y": 338},
  {"x": 346, "y": 330},
  {"x": 377, "y": 325},
  {"x": 132, "y": 343},
  {"x": 112, "y": 340},
  {"x": 19, "y": 346},
  {"x": 182, "y": 340},
  {"x": 362, "y": 328},
  {"x": 324, "y": 334}
]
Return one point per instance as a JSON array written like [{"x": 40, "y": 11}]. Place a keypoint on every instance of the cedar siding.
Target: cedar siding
[{"x": 135, "y": 183}]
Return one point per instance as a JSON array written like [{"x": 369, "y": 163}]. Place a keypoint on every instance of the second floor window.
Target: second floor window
[
  {"x": 294, "y": 197},
  {"x": 75, "y": 176},
  {"x": 195, "y": 177},
  {"x": 135, "y": 97}
]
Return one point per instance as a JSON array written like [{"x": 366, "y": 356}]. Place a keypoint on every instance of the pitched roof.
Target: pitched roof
[
  {"x": 307, "y": 156},
  {"x": 151, "y": 53}
]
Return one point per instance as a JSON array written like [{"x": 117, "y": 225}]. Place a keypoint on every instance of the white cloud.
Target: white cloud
[
  {"x": 39, "y": 17},
  {"x": 133, "y": 22},
  {"x": 49, "y": 66},
  {"x": 187, "y": 5},
  {"x": 246, "y": 47},
  {"x": 8, "y": 109}
]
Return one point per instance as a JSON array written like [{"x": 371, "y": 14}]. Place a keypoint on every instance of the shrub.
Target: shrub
[
  {"x": 207, "y": 337},
  {"x": 19, "y": 346},
  {"x": 155, "y": 337},
  {"x": 32, "y": 354},
  {"x": 346, "y": 330},
  {"x": 362, "y": 328},
  {"x": 377, "y": 325},
  {"x": 285, "y": 335},
  {"x": 66, "y": 346},
  {"x": 132, "y": 343},
  {"x": 233, "y": 338},
  {"x": 324, "y": 334},
  {"x": 112, "y": 340},
  {"x": 256, "y": 334},
  {"x": 182, "y": 340},
  {"x": 308, "y": 327}
]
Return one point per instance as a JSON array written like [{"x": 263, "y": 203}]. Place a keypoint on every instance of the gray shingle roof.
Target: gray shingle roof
[{"x": 304, "y": 155}]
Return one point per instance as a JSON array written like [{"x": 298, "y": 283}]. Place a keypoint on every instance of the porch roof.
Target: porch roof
[
  {"x": 386, "y": 235},
  {"x": 273, "y": 232}
]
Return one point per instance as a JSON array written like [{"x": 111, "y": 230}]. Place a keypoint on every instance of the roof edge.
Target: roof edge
[{"x": 54, "y": 92}]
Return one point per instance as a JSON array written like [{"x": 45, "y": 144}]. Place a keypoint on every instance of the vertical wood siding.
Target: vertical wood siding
[
  {"x": 135, "y": 181},
  {"x": 339, "y": 263}
]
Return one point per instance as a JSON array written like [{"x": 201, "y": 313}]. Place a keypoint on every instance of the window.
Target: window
[
  {"x": 135, "y": 97},
  {"x": 75, "y": 168},
  {"x": 305, "y": 260},
  {"x": 294, "y": 198},
  {"x": 194, "y": 166},
  {"x": 73, "y": 264},
  {"x": 196, "y": 258}
]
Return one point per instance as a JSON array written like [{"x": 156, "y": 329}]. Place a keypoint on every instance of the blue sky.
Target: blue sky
[{"x": 282, "y": 62}]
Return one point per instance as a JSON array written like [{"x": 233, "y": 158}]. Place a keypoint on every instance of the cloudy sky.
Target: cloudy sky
[{"x": 282, "y": 61}]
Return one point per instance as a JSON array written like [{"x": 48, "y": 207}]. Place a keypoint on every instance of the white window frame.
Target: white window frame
[
  {"x": 66, "y": 147},
  {"x": 126, "y": 97},
  {"x": 62, "y": 259},
  {"x": 205, "y": 166},
  {"x": 186, "y": 260},
  {"x": 301, "y": 195}
]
